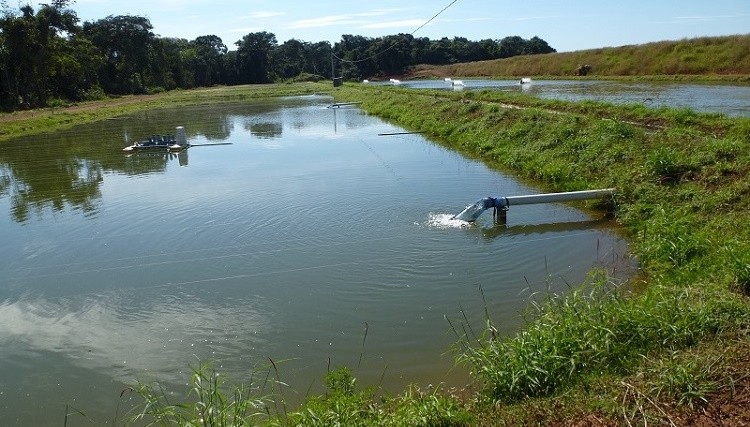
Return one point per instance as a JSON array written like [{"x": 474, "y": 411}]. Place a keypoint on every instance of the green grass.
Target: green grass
[
  {"x": 213, "y": 403},
  {"x": 210, "y": 402},
  {"x": 601, "y": 331},
  {"x": 345, "y": 405}
]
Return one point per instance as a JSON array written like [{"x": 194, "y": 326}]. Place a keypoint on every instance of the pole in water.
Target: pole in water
[
  {"x": 500, "y": 215},
  {"x": 400, "y": 133}
]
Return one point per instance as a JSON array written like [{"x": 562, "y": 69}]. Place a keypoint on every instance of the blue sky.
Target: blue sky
[{"x": 567, "y": 25}]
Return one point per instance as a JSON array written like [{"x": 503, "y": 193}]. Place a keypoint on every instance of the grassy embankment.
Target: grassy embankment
[{"x": 707, "y": 58}]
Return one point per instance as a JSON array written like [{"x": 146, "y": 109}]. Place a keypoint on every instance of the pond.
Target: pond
[
  {"x": 310, "y": 240},
  {"x": 730, "y": 99}
]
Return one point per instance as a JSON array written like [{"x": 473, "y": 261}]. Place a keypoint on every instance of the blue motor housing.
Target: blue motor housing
[{"x": 472, "y": 212}]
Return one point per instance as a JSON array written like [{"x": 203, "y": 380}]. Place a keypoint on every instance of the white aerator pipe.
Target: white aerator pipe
[
  {"x": 559, "y": 197},
  {"x": 180, "y": 137},
  {"x": 472, "y": 212}
]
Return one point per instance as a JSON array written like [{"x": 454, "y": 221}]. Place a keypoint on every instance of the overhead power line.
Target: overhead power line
[
  {"x": 349, "y": 61},
  {"x": 436, "y": 15}
]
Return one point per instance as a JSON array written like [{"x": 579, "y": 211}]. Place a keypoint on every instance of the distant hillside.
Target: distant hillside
[{"x": 704, "y": 56}]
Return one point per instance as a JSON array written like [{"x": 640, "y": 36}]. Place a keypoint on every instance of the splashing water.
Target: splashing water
[{"x": 443, "y": 221}]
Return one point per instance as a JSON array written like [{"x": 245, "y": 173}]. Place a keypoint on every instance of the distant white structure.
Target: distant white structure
[
  {"x": 457, "y": 83},
  {"x": 448, "y": 79},
  {"x": 525, "y": 80},
  {"x": 396, "y": 82},
  {"x": 365, "y": 81},
  {"x": 180, "y": 137}
]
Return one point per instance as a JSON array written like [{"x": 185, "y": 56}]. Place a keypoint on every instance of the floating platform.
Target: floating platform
[{"x": 176, "y": 142}]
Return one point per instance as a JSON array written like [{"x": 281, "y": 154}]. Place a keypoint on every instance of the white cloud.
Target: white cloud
[
  {"x": 324, "y": 21},
  {"x": 246, "y": 30},
  {"x": 410, "y": 23},
  {"x": 359, "y": 19},
  {"x": 463, "y": 20},
  {"x": 263, "y": 15},
  {"x": 95, "y": 334},
  {"x": 535, "y": 18},
  {"x": 381, "y": 12}
]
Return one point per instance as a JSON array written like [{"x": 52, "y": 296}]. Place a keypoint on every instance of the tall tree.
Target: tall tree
[
  {"x": 511, "y": 46},
  {"x": 537, "y": 46},
  {"x": 167, "y": 68},
  {"x": 355, "y": 60},
  {"x": 209, "y": 60},
  {"x": 290, "y": 58},
  {"x": 45, "y": 54},
  {"x": 125, "y": 42},
  {"x": 393, "y": 54},
  {"x": 254, "y": 57},
  {"x": 440, "y": 52},
  {"x": 318, "y": 60},
  {"x": 20, "y": 44},
  {"x": 72, "y": 69},
  {"x": 28, "y": 48}
]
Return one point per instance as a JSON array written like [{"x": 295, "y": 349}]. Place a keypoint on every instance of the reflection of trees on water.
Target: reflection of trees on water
[
  {"x": 52, "y": 173},
  {"x": 213, "y": 122},
  {"x": 210, "y": 122},
  {"x": 265, "y": 130},
  {"x": 148, "y": 162},
  {"x": 37, "y": 180},
  {"x": 65, "y": 169}
]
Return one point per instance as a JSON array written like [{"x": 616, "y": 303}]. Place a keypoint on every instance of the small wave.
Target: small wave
[{"x": 444, "y": 221}]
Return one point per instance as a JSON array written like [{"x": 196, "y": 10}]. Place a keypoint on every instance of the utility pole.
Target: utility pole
[{"x": 337, "y": 81}]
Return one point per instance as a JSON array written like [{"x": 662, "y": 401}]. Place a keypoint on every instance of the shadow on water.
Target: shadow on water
[{"x": 503, "y": 230}]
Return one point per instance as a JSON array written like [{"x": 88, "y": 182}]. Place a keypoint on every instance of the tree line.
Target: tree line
[{"x": 47, "y": 56}]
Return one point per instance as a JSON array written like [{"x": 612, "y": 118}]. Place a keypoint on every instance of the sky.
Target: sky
[{"x": 566, "y": 25}]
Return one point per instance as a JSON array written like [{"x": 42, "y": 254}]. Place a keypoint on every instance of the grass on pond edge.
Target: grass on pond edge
[{"x": 659, "y": 354}]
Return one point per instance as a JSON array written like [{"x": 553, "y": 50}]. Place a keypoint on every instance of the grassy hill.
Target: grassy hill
[{"x": 720, "y": 58}]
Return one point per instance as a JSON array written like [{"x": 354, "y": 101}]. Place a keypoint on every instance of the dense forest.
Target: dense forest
[{"x": 47, "y": 56}]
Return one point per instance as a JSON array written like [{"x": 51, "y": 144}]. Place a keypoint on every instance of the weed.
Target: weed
[
  {"x": 344, "y": 405},
  {"x": 599, "y": 330},
  {"x": 666, "y": 165},
  {"x": 740, "y": 265},
  {"x": 686, "y": 380},
  {"x": 210, "y": 403}
]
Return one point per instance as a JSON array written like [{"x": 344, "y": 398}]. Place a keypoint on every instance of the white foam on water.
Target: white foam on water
[{"x": 444, "y": 221}]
